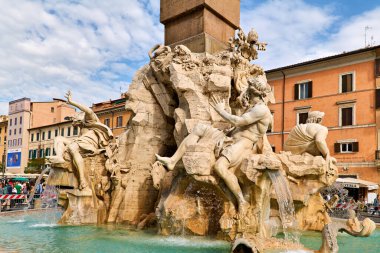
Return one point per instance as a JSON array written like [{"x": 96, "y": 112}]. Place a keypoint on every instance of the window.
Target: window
[
  {"x": 14, "y": 142},
  {"x": 56, "y": 132},
  {"x": 62, "y": 132},
  {"x": 119, "y": 121},
  {"x": 49, "y": 135},
  {"x": 346, "y": 147},
  {"x": 43, "y": 135},
  {"x": 20, "y": 120},
  {"x": 15, "y": 121},
  {"x": 51, "y": 109},
  {"x": 38, "y": 137},
  {"x": 377, "y": 98},
  {"x": 10, "y": 122},
  {"x": 346, "y": 82},
  {"x": 32, "y": 137},
  {"x": 346, "y": 116},
  {"x": 19, "y": 141},
  {"x": 19, "y": 130},
  {"x": 9, "y": 143},
  {"x": 69, "y": 131},
  {"x": 377, "y": 68},
  {"x": 30, "y": 154},
  {"x": 303, "y": 90},
  {"x": 41, "y": 153},
  {"x": 10, "y": 132},
  {"x": 47, "y": 152},
  {"x": 15, "y": 131},
  {"x": 75, "y": 130},
  {"x": 302, "y": 117},
  {"x": 34, "y": 154},
  {"x": 0, "y": 130},
  {"x": 107, "y": 122}
]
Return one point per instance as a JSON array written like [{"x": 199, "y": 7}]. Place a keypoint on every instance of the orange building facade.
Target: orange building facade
[
  {"x": 113, "y": 114},
  {"x": 345, "y": 88}
]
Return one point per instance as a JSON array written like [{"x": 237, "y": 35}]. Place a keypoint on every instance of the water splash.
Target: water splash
[
  {"x": 44, "y": 225},
  {"x": 286, "y": 206},
  {"x": 37, "y": 183}
]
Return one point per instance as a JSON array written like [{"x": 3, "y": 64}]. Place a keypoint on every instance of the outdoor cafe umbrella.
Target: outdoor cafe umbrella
[{"x": 23, "y": 179}]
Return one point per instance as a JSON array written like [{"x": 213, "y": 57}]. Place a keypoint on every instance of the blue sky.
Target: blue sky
[{"x": 93, "y": 47}]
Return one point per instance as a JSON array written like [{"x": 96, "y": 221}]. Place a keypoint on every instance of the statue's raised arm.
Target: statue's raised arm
[
  {"x": 252, "y": 116},
  {"x": 89, "y": 114}
]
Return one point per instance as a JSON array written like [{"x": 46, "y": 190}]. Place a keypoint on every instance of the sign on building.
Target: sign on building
[{"x": 14, "y": 158}]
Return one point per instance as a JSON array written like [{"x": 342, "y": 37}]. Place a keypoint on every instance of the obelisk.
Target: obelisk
[{"x": 201, "y": 25}]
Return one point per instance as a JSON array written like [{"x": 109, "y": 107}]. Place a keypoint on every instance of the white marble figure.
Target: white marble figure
[
  {"x": 310, "y": 137},
  {"x": 250, "y": 128},
  {"x": 94, "y": 137}
]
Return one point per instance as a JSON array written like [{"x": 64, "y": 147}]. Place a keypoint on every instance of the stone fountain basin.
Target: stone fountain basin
[{"x": 26, "y": 231}]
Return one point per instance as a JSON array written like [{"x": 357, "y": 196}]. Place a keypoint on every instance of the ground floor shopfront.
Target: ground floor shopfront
[{"x": 360, "y": 190}]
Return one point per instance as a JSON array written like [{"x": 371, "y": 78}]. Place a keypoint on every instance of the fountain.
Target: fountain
[{"x": 195, "y": 160}]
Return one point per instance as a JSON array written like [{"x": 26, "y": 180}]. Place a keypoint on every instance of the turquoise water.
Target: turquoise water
[
  {"x": 347, "y": 243},
  {"x": 38, "y": 232}
]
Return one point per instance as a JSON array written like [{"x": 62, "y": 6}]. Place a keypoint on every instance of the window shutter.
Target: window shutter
[
  {"x": 296, "y": 87},
  {"x": 337, "y": 147},
  {"x": 310, "y": 89},
  {"x": 355, "y": 146},
  {"x": 344, "y": 83},
  {"x": 377, "y": 98},
  {"x": 377, "y": 67}
]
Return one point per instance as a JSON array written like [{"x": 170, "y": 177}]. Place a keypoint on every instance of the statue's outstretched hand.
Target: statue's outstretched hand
[
  {"x": 68, "y": 96},
  {"x": 217, "y": 103}
]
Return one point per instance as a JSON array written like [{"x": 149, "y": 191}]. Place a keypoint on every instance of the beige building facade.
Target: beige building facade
[
  {"x": 3, "y": 136},
  {"x": 24, "y": 115},
  {"x": 17, "y": 145},
  {"x": 41, "y": 140}
]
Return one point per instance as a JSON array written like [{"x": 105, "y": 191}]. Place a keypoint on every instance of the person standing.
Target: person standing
[
  {"x": 375, "y": 205},
  {"x": 18, "y": 188}
]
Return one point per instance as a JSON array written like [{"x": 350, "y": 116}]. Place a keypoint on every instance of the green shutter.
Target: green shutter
[{"x": 296, "y": 87}]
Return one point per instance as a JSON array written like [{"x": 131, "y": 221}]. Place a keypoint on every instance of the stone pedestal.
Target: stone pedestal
[{"x": 185, "y": 23}]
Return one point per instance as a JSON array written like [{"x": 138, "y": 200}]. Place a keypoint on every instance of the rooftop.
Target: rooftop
[{"x": 324, "y": 59}]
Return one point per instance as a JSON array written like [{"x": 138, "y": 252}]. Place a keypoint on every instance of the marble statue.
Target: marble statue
[
  {"x": 310, "y": 137},
  {"x": 249, "y": 128},
  {"x": 94, "y": 137}
]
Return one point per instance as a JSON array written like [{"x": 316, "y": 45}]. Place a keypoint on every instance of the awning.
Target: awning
[
  {"x": 11, "y": 175},
  {"x": 357, "y": 183}
]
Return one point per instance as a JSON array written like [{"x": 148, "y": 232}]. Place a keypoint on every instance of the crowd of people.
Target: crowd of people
[{"x": 25, "y": 188}]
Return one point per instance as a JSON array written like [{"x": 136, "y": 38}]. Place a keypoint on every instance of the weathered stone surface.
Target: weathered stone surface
[{"x": 196, "y": 159}]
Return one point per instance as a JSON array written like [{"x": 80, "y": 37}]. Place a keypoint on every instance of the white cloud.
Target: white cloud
[
  {"x": 291, "y": 29},
  {"x": 90, "y": 47},
  {"x": 297, "y": 31},
  {"x": 350, "y": 36}
]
